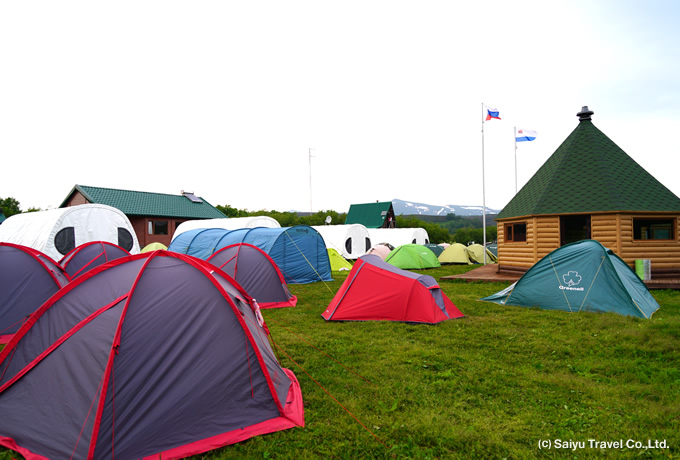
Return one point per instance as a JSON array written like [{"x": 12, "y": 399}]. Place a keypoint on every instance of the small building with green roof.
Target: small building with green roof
[
  {"x": 372, "y": 215},
  {"x": 591, "y": 189},
  {"x": 154, "y": 216}
]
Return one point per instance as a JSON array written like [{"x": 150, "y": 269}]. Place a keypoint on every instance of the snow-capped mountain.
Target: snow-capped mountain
[{"x": 413, "y": 208}]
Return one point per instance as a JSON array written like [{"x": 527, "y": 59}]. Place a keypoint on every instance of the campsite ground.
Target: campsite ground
[{"x": 503, "y": 382}]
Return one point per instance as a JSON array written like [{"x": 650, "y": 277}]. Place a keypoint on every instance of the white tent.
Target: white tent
[
  {"x": 351, "y": 241},
  {"x": 398, "y": 236},
  {"x": 233, "y": 223},
  {"x": 380, "y": 250},
  {"x": 56, "y": 231}
]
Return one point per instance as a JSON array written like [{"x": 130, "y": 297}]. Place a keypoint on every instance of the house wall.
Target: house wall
[
  {"x": 141, "y": 226},
  {"x": 139, "y": 223},
  {"x": 613, "y": 230},
  {"x": 76, "y": 199}
]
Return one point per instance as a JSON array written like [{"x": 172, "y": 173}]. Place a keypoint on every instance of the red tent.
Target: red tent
[
  {"x": 89, "y": 255},
  {"x": 256, "y": 272},
  {"x": 376, "y": 290},
  {"x": 155, "y": 355},
  {"x": 27, "y": 279}
]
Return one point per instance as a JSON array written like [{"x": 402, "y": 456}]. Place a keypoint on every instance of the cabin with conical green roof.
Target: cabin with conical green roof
[{"x": 591, "y": 189}]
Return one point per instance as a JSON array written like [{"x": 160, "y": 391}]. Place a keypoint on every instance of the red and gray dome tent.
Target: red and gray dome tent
[
  {"x": 90, "y": 255},
  {"x": 256, "y": 272},
  {"x": 155, "y": 355},
  {"x": 27, "y": 279},
  {"x": 377, "y": 291}
]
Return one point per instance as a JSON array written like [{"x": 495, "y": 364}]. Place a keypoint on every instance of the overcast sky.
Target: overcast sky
[{"x": 226, "y": 98}]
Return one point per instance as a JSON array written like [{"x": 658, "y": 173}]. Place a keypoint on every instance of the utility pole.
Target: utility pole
[{"x": 310, "y": 180}]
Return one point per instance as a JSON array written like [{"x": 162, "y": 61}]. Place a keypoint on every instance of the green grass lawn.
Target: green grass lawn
[
  {"x": 494, "y": 384},
  {"x": 491, "y": 385}
]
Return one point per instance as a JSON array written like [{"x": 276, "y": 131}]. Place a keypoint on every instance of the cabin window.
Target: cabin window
[
  {"x": 516, "y": 233},
  {"x": 574, "y": 228},
  {"x": 158, "y": 227},
  {"x": 654, "y": 229}
]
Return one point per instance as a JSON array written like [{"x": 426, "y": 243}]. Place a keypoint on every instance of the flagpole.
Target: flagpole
[
  {"x": 515, "y": 160},
  {"x": 483, "y": 190}
]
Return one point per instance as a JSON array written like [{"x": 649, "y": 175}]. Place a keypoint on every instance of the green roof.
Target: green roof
[
  {"x": 590, "y": 173},
  {"x": 370, "y": 215},
  {"x": 134, "y": 203}
]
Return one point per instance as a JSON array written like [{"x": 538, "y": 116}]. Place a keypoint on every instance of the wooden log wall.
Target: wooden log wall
[
  {"x": 542, "y": 237},
  {"x": 606, "y": 229},
  {"x": 614, "y": 231},
  {"x": 664, "y": 254}
]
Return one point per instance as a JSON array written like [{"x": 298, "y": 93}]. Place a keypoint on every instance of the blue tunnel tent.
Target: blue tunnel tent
[
  {"x": 581, "y": 276},
  {"x": 299, "y": 251}
]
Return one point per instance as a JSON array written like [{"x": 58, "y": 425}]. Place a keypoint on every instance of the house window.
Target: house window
[
  {"x": 654, "y": 229},
  {"x": 158, "y": 227},
  {"x": 516, "y": 233}
]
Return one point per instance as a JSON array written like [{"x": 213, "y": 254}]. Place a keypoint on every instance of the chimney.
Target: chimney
[{"x": 584, "y": 114}]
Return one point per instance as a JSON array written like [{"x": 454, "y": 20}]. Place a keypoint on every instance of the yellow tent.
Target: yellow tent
[
  {"x": 338, "y": 263},
  {"x": 154, "y": 247}
]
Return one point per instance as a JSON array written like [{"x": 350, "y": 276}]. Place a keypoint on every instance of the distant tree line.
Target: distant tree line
[
  {"x": 288, "y": 219},
  {"x": 444, "y": 229},
  {"x": 11, "y": 206},
  {"x": 440, "y": 229}
]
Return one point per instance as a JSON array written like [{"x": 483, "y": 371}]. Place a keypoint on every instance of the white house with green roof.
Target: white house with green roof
[
  {"x": 591, "y": 189},
  {"x": 154, "y": 216}
]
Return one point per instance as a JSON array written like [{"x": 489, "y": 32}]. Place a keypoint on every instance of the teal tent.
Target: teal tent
[{"x": 581, "y": 276}]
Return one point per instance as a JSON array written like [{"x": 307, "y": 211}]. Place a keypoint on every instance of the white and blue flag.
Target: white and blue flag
[{"x": 524, "y": 135}]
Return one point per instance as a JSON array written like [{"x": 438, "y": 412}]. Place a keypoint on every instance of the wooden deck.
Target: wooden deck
[
  {"x": 663, "y": 283},
  {"x": 487, "y": 273},
  {"x": 490, "y": 273}
]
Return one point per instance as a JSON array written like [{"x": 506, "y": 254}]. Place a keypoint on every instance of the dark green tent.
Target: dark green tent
[
  {"x": 434, "y": 248},
  {"x": 581, "y": 276}
]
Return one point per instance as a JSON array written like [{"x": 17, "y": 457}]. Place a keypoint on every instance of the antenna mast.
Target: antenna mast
[{"x": 310, "y": 179}]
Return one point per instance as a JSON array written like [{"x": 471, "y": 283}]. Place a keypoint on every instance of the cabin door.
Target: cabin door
[{"x": 574, "y": 228}]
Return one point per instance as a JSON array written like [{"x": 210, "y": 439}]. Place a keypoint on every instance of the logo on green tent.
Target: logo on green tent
[{"x": 571, "y": 279}]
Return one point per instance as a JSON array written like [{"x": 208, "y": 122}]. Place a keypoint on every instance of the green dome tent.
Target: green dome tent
[
  {"x": 581, "y": 276},
  {"x": 412, "y": 257}
]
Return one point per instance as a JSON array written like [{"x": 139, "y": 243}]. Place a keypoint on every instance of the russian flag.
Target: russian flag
[
  {"x": 524, "y": 135},
  {"x": 491, "y": 113}
]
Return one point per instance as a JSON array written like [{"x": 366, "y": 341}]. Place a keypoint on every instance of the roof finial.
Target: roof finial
[{"x": 584, "y": 114}]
